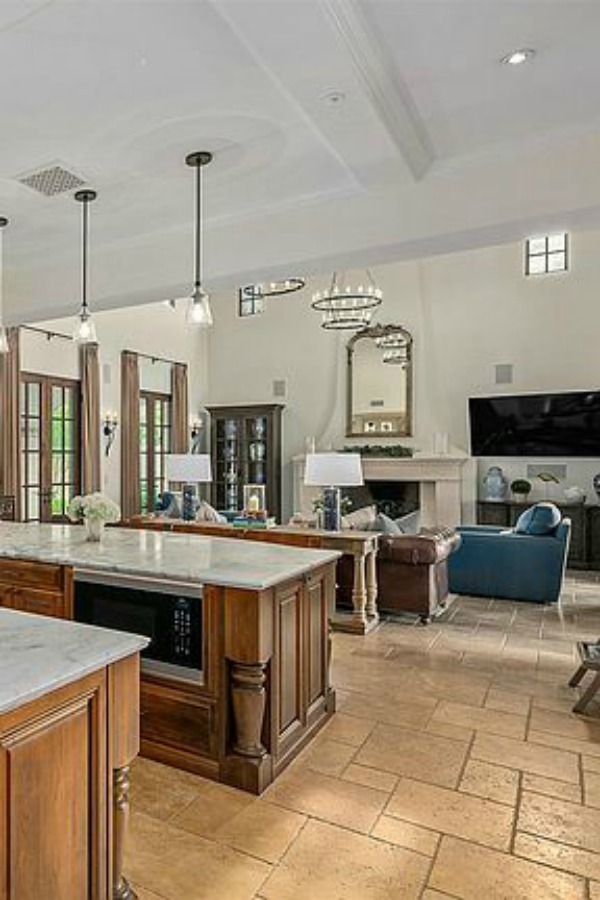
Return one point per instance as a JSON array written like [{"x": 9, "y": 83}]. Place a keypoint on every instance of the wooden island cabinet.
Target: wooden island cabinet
[{"x": 69, "y": 715}]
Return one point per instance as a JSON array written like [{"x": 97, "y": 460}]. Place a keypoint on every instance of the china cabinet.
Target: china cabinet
[{"x": 246, "y": 449}]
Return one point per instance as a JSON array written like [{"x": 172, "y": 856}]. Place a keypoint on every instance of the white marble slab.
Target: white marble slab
[
  {"x": 39, "y": 654},
  {"x": 188, "y": 558}
]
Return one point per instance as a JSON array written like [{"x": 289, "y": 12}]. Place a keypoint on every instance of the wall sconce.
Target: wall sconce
[
  {"x": 196, "y": 425},
  {"x": 109, "y": 429}
]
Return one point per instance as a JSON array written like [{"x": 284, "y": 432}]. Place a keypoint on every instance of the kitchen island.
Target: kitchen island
[
  {"x": 69, "y": 714},
  {"x": 255, "y": 622}
]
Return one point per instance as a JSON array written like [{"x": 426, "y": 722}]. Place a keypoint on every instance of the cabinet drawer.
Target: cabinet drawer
[
  {"x": 179, "y": 718},
  {"x": 40, "y": 575},
  {"x": 44, "y": 603}
]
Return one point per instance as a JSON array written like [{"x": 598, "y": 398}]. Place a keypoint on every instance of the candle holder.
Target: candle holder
[{"x": 255, "y": 501}]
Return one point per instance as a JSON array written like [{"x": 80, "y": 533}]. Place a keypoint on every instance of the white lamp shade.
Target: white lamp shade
[
  {"x": 189, "y": 467},
  {"x": 333, "y": 470}
]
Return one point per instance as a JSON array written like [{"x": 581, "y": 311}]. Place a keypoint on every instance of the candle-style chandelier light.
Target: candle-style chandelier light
[{"x": 345, "y": 307}]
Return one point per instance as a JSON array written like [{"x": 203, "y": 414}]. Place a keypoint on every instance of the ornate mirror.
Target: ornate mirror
[{"x": 380, "y": 382}]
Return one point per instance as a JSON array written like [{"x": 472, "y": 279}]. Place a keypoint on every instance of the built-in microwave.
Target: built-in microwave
[{"x": 168, "y": 613}]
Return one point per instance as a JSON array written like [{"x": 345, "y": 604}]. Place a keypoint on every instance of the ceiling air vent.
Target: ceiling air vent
[{"x": 51, "y": 181}]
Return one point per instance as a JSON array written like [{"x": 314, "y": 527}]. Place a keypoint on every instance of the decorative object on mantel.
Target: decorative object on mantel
[
  {"x": 345, "y": 307},
  {"x": 496, "y": 484},
  {"x": 109, "y": 430},
  {"x": 252, "y": 296},
  {"x": 94, "y": 510},
  {"x": 332, "y": 471},
  {"x": 574, "y": 494},
  {"x": 85, "y": 330},
  {"x": 199, "y": 311},
  {"x": 521, "y": 488},
  {"x": 3, "y": 338},
  {"x": 395, "y": 450}
]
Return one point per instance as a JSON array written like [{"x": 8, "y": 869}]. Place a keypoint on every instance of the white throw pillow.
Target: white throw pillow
[
  {"x": 360, "y": 519},
  {"x": 207, "y": 513}
]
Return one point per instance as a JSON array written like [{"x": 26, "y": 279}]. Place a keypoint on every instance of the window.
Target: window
[
  {"x": 544, "y": 255},
  {"x": 251, "y": 302},
  {"x": 50, "y": 465},
  {"x": 155, "y": 444}
]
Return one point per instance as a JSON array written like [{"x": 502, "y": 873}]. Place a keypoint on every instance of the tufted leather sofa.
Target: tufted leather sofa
[{"x": 412, "y": 572}]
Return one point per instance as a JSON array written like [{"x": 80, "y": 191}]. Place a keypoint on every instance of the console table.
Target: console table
[
  {"x": 584, "y": 550},
  {"x": 361, "y": 546}
]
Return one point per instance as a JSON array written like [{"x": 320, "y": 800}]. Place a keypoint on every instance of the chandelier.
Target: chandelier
[{"x": 345, "y": 307}]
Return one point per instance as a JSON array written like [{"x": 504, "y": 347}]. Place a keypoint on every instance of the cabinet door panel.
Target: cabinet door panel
[
  {"x": 43, "y": 603},
  {"x": 290, "y": 658},
  {"x": 316, "y": 642}
]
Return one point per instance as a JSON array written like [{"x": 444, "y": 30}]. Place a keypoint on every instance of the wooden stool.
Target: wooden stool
[{"x": 590, "y": 661}]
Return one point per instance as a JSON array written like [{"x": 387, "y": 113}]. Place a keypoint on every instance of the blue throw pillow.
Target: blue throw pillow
[{"x": 541, "y": 519}]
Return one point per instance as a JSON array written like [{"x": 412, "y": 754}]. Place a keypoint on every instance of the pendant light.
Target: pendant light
[
  {"x": 199, "y": 311},
  {"x": 3, "y": 337},
  {"x": 85, "y": 330}
]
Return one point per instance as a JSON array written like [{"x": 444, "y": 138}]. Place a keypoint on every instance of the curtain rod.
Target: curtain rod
[
  {"x": 157, "y": 359},
  {"x": 47, "y": 334}
]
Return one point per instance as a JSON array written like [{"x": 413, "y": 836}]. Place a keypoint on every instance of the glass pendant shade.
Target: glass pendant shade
[
  {"x": 85, "y": 329},
  {"x": 3, "y": 337},
  {"x": 199, "y": 312}
]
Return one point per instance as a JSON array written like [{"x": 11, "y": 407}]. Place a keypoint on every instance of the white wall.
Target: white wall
[
  {"x": 151, "y": 329},
  {"x": 467, "y": 312}
]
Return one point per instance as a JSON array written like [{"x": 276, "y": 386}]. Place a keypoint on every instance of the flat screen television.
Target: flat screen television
[{"x": 565, "y": 424}]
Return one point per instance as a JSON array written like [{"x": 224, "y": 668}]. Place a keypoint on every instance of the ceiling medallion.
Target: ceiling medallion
[
  {"x": 346, "y": 308},
  {"x": 272, "y": 288}
]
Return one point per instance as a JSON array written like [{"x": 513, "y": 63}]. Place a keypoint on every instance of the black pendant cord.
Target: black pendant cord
[
  {"x": 198, "y": 281},
  {"x": 84, "y": 301}
]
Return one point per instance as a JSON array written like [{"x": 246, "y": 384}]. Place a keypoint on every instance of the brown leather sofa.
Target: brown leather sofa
[{"x": 412, "y": 573}]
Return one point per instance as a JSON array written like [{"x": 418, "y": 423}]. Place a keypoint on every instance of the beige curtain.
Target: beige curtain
[
  {"x": 90, "y": 418},
  {"x": 10, "y": 456},
  {"x": 130, "y": 434},
  {"x": 179, "y": 397}
]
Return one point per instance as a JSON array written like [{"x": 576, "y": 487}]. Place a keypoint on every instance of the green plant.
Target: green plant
[
  {"x": 395, "y": 450},
  {"x": 345, "y": 505},
  {"x": 520, "y": 486}
]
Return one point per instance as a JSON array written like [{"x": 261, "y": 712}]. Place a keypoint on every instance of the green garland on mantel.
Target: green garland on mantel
[{"x": 395, "y": 450}]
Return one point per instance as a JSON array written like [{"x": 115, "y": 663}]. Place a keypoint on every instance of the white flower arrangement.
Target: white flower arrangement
[{"x": 93, "y": 508}]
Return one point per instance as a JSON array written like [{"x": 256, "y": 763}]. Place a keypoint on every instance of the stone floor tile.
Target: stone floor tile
[
  {"x": 559, "y": 856},
  {"x": 373, "y": 778},
  {"x": 454, "y": 732},
  {"x": 262, "y": 830},
  {"x": 331, "y": 799},
  {"x": 551, "y": 787},
  {"x": 162, "y": 791},
  {"x": 591, "y": 788},
  {"x": 546, "y": 739},
  {"x": 348, "y": 729},
  {"x": 327, "y": 756},
  {"x": 405, "y": 834},
  {"x": 505, "y": 701},
  {"x": 389, "y": 711},
  {"x": 430, "y": 894},
  {"x": 143, "y": 894},
  {"x": 415, "y": 754},
  {"x": 480, "y": 719},
  {"x": 560, "y": 820},
  {"x": 329, "y": 863},
  {"x": 472, "y": 872},
  {"x": 490, "y": 782},
  {"x": 216, "y": 806},
  {"x": 182, "y": 866},
  {"x": 570, "y": 726},
  {"x": 590, "y": 763},
  {"x": 548, "y": 761},
  {"x": 453, "y": 813},
  {"x": 594, "y": 890}
]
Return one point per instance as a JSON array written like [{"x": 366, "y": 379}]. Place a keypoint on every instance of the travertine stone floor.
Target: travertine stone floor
[{"x": 453, "y": 769}]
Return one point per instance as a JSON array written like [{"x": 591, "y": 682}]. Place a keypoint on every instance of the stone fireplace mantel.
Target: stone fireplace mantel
[{"x": 440, "y": 480}]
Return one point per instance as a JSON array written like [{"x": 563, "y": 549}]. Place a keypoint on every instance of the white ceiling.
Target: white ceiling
[{"x": 435, "y": 147}]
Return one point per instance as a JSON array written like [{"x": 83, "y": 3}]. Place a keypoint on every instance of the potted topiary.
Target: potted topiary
[{"x": 521, "y": 488}]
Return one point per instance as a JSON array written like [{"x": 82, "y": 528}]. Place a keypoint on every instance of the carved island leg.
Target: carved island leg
[
  {"x": 359, "y": 591},
  {"x": 372, "y": 611},
  {"x": 122, "y": 890},
  {"x": 249, "y": 699}
]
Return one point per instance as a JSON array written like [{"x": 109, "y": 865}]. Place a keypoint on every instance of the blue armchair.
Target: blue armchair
[{"x": 493, "y": 562}]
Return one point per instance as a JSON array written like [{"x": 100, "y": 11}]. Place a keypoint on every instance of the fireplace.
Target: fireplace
[{"x": 393, "y": 498}]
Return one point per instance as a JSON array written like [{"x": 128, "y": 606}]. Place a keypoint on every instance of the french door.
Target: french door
[
  {"x": 155, "y": 445},
  {"x": 50, "y": 457}
]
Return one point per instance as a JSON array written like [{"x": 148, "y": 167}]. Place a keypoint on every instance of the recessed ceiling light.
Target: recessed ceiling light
[
  {"x": 333, "y": 98},
  {"x": 518, "y": 57}
]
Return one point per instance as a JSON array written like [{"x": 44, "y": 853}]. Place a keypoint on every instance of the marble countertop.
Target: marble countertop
[
  {"x": 187, "y": 558},
  {"x": 39, "y": 654}
]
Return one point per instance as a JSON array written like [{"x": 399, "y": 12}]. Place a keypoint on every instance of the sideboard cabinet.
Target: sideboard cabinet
[
  {"x": 246, "y": 449},
  {"x": 584, "y": 551}
]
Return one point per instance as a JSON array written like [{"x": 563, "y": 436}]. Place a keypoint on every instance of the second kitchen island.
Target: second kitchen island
[{"x": 236, "y": 679}]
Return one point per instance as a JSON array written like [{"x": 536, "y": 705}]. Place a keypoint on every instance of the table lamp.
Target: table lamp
[
  {"x": 331, "y": 471},
  {"x": 191, "y": 469}
]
